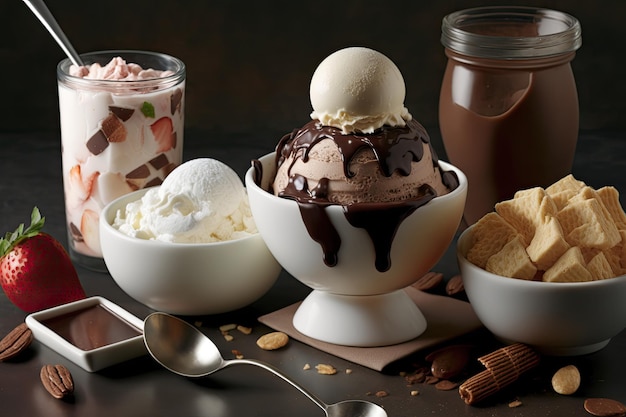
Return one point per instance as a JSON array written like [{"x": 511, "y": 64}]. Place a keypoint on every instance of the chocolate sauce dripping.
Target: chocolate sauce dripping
[
  {"x": 314, "y": 215},
  {"x": 382, "y": 220},
  {"x": 257, "y": 171},
  {"x": 394, "y": 148},
  {"x": 450, "y": 179},
  {"x": 316, "y": 221}
]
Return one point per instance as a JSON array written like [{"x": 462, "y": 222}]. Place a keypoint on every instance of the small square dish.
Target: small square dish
[{"x": 94, "y": 333}]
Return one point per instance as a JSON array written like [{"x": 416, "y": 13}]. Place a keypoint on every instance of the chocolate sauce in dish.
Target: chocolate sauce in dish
[
  {"x": 92, "y": 327},
  {"x": 395, "y": 149}
]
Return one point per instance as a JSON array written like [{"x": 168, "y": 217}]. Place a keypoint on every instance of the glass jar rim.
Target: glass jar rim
[
  {"x": 464, "y": 32},
  {"x": 148, "y": 59}
]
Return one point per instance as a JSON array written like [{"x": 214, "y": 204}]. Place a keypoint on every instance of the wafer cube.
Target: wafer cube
[
  {"x": 512, "y": 261},
  {"x": 547, "y": 245},
  {"x": 589, "y": 253},
  {"x": 585, "y": 193},
  {"x": 527, "y": 211},
  {"x": 536, "y": 192},
  {"x": 570, "y": 267},
  {"x": 564, "y": 189},
  {"x": 561, "y": 199},
  {"x": 616, "y": 256},
  {"x": 610, "y": 198},
  {"x": 568, "y": 184},
  {"x": 599, "y": 267},
  {"x": 586, "y": 223},
  {"x": 490, "y": 233}
]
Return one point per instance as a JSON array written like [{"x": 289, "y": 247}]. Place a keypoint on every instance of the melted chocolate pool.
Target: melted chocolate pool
[
  {"x": 394, "y": 148},
  {"x": 92, "y": 327}
]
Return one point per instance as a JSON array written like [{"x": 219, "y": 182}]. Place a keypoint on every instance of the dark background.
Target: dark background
[{"x": 250, "y": 62}]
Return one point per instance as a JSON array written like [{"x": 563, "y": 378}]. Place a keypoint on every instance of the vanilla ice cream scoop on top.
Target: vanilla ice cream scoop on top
[
  {"x": 358, "y": 90},
  {"x": 201, "y": 201}
]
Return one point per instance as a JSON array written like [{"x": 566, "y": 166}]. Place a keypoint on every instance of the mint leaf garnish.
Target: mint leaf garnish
[{"x": 147, "y": 109}]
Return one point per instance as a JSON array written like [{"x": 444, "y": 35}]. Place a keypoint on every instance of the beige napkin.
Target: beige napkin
[{"x": 447, "y": 318}]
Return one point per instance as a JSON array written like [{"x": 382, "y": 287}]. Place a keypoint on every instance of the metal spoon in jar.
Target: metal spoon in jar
[
  {"x": 185, "y": 350},
  {"x": 39, "y": 8}
]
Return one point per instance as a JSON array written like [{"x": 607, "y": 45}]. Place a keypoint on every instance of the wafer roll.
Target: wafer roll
[{"x": 503, "y": 367}]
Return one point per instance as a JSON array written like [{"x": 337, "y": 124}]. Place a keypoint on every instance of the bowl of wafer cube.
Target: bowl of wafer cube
[{"x": 547, "y": 267}]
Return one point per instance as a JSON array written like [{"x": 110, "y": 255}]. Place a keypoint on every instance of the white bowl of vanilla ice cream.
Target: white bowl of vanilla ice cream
[{"x": 189, "y": 246}]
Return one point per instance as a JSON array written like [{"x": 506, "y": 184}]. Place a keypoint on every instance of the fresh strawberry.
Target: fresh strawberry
[
  {"x": 35, "y": 270},
  {"x": 164, "y": 135},
  {"x": 82, "y": 187}
]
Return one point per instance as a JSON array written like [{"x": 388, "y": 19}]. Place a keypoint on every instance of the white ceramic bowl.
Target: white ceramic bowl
[
  {"x": 555, "y": 318},
  {"x": 420, "y": 241},
  {"x": 186, "y": 278}
]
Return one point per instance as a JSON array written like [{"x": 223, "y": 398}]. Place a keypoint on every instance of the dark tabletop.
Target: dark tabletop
[{"x": 30, "y": 168}]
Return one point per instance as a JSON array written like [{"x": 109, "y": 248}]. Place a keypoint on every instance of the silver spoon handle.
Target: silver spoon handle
[
  {"x": 279, "y": 374},
  {"x": 39, "y": 8}
]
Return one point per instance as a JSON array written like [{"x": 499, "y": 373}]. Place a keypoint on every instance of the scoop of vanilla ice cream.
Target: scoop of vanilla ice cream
[
  {"x": 358, "y": 90},
  {"x": 201, "y": 201}
]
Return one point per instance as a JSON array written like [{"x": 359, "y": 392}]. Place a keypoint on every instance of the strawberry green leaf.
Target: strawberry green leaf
[
  {"x": 147, "y": 109},
  {"x": 13, "y": 238},
  {"x": 35, "y": 217}
]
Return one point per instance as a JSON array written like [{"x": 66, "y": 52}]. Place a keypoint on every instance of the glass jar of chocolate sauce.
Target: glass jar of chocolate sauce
[{"x": 508, "y": 109}]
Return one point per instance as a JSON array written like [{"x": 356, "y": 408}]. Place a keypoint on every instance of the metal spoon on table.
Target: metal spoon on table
[
  {"x": 39, "y": 8},
  {"x": 185, "y": 350}
]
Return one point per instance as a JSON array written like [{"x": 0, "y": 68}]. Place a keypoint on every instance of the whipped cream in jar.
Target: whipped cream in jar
[
  {"x": 122, "y": 117},
  {"x": 508, "y": 108}
]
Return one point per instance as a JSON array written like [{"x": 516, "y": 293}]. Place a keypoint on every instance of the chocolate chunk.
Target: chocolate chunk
[
  {"x": 159, "y": 161},
  {"x": 141, "y": 171},
  {"x": 153, "y": 182},
  {"x": 133, "y": 184},
  {"x": 604, "y": 407},
  {"x": 169, "y": 168},
  {"x": 122, "y": 113},
  {"x": 448, "y": 362},
  {"x": 77, "y": 236},
  {"x": 97, "y": 143},
  {"x": 416, "y": 378},
  {"x": 176, "y": 100},
  {"x": 431, "y": 380},
  {"x": 114, "y": 129},
  {"x": 445, "y": 385}
]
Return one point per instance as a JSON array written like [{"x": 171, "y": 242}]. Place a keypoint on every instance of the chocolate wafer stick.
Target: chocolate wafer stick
[{"x": 503, "y": 367}]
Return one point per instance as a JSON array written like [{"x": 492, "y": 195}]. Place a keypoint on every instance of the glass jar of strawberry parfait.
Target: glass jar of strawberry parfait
[{"x": 122, "y": 117}]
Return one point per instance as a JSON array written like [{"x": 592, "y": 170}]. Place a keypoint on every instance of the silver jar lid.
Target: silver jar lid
[{"x": 510, "y": 32}]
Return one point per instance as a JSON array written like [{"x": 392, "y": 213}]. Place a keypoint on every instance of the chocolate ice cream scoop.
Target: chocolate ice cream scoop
[{"x": 362, "y": 151}]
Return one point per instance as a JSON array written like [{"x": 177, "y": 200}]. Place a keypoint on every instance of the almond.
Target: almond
[{"x": 272, "y": 341}]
